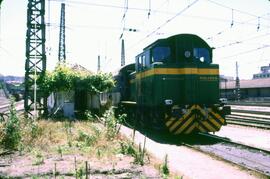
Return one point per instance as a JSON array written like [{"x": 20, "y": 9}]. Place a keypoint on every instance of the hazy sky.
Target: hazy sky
[{"x": 94, "y": 27}]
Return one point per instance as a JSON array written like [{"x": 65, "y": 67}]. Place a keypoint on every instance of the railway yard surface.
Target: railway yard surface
[
  {"x": 203, "y": 158},
  {"x": 250, "y": 136},
  {"x": 220, "y": 159},
  {"x": 193, "y": 164}
]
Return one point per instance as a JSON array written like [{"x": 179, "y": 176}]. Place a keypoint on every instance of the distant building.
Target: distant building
[
  {"x": 255, "y": 89},
  {"x": 17, "y": 79},
  {"x": 226, "y": 78},
  {"x": 265, "y": 73}
]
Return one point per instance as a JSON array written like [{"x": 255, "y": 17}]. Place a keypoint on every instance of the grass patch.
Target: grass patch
[{"x": 88, "y": 138}]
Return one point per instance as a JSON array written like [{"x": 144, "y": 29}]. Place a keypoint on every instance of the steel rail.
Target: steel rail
[
  {"x": 249, "y": 118},
  {"x": 251, "y": 112},
  {"x": 224, "y": 140}
]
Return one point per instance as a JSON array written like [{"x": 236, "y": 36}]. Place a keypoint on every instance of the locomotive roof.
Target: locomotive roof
[
  {"x": 130, "y": 66},
  {"x": 178, "y": 36},
  {"x": 127, "y": 67}
]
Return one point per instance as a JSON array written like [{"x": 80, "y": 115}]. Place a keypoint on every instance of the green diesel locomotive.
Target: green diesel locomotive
[{"x": 173, "y": 85}]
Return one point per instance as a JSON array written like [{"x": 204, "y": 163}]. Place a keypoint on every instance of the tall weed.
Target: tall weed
[
  {"x": 112, "y": 123},
  {"x": 164, "y": 169},
  {"x": 11, "y": 129}
]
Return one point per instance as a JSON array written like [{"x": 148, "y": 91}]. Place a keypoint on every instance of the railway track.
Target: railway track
[
  {"x": 254, "y": 116},
  {"x": 4, "y": 109},
  {"x": 245, "y": 156}
]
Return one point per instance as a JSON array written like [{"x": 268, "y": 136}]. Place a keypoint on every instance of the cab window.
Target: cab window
[
  {"x": 202, "y": 55},
  {"x": 143, "y": 61},
  {"x": 138, "y": 63},
  {"x": 160, "y": 54}
]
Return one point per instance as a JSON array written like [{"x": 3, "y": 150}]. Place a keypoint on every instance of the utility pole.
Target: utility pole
[
  {"x": 123, "y": 53},
  {"x": 98, "y": 67},
  {"x": 62, "y": 38},
  {"x": 226, "y": 96},
  {"x": 237, "y": 84},
  {"x": 35, "y": 64}
]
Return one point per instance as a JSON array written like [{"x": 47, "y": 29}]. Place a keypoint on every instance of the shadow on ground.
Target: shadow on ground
[{"x": 165, "y": 137}]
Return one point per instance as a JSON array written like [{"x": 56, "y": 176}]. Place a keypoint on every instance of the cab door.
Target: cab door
[{"x": 138, "y": 79}]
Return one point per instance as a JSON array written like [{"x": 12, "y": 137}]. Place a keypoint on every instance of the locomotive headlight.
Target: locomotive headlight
[
  {"x": 168, "y": 101},
  {"x": 184, "y": 111}
]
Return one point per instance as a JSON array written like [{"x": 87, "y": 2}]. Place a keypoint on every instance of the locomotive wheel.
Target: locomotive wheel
[
  {"x": 157, "y": 119},
  {"x": 141, "y": 118}
]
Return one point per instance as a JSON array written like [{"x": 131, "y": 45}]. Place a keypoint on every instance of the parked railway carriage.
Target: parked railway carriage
[{"x": 174, "y": 85}]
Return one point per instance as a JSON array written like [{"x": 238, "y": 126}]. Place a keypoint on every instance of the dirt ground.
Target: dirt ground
[{"x": 25, "y": 166}]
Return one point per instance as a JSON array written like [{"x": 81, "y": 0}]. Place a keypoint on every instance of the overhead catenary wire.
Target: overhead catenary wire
[
  {"x": 153, "y": 11},
  {"x": 164, "y": 24},
  {"x": 149, "y": 10},
  {"x": 237, "y": 10},
  {"x": 236, "y": 22},
  {"x": 258, "y": 27},
  {"x": 136, "y": 30},
  {"x": 232, "y": 19},
  {"x": 241, "y": 41},
  {"x": 124, "y": 19},
  {"x": 245, "y": 52}
]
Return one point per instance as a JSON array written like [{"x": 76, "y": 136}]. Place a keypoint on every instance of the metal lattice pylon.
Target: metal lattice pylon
[
  {"x": 35, "y": 64},
  {"x": 62, "y": 44}
]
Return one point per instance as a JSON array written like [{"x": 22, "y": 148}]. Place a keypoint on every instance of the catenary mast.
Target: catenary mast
[{"x": 35, "y": 64}]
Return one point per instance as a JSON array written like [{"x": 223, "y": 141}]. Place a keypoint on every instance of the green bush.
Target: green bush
[
  {"x": 64, "y": 78},
  {"x": 11, "y": 134},
  {"x": 113, "y": 124}
]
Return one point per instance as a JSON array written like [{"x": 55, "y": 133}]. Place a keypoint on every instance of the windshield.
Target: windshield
[
  {"x": 202, "y": 54},
  {"x": 160, "y": 54}
]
